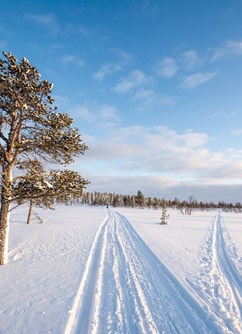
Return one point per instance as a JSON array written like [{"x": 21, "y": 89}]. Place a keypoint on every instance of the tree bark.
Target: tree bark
[
  {"x": 5, "y": 213},
  {"x": 30, "y": 212}
]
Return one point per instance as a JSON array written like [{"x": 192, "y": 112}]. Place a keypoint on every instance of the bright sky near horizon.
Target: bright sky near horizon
[{"x": 155, "y": 88}]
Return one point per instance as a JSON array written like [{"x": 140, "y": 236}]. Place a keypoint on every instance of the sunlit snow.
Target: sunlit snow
[{"x": 97, "y": 270}]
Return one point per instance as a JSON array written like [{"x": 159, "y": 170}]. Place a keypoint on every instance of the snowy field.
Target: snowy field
[{"x": 93, "y": 270}]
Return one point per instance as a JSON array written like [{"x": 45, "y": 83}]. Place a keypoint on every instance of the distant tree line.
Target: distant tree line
[{"x": 140, "y": 201}]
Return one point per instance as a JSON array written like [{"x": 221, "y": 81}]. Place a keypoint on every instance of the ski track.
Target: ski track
[
  {"x": 219, "y": 284},
  {"x": 126, "y": 289}
]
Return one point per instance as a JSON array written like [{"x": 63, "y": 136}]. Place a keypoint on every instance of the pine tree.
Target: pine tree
[
  {"x": 42, "y": 189},
  {"x": 140, "y": 199},
  {"x": 164, "y": 216},
  {"x": 30, "y": 128}
]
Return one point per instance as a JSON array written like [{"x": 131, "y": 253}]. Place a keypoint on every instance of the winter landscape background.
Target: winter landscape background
[{"x": 154, "y": 88}]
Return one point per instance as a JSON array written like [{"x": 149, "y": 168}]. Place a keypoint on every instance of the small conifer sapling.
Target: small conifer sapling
[{"x": 164, "y": 216}]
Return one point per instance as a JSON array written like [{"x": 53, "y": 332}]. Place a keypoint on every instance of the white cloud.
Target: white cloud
[
  {"x": 237, "y": 132},
  {"x": 68, "y": 59},
  {"x": 194, "y": 139},
  {"x": 230, "y": 48},
  {"x": 47, "y": 20},
  {"x": 160, "y": 159},
  {"x": 166, "y": 68},
  {"x": 104, "y": 116},
  {"x": 223, "y": 114},
  {"x": 197, "y": 79},
  {"x": 104, "y": 71},
  {"x": 148, "y": 98},
  {"x": 109, "y": 113},
  {"x": 108, "y": 69},
  {"x": 84, "y": 31},
  {"x": 215, "y": 115},
  {"x": 157, "y": 149},
  {"x": 144, "y": 94},
  {"x": 190, "y": 60},
  {"x": 135, "y": 79},
  {"x": 160, "y": 150},
  {"x": 124, "y": 58},
  {"x": 83, "y": 112},
  {"x": 145, "y": 8}
]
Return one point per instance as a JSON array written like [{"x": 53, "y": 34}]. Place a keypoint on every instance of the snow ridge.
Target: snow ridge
[
  {"x": 219, "y": 284},
  {"x": 126, "y": 289}
]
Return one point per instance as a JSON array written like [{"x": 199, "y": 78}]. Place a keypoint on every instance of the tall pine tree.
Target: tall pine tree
[{"x": 30, "y": 128}]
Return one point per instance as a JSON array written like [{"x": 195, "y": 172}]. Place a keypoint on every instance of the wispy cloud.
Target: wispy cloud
[
  {"x": 167, "y": 67},
  {"x": 147, "y": 98},
  {"x": 197, "y": 79},
  {"x": 190, "y": 60},
  {"x": 107, "y": 117},
  {"x": 163, "y": 151},
  {"x": 177, "y": 151},
  {"x": 230, "y": 48},
  {"x": 135, "y": 79},
  {"x": 144, "y": 94},
  {"x": 108, "y": 69},
  {"x": 84, "y": 31},
  {"x": 223, "y": 114},
  {"x": 83, "y": 112},
  {"x": 237, "y": 132},
  {"x": 103, "y": 116},
  {"x": 68, "y": 59},
  {"x": 48, "y": 21},
  {"x": 215, "y": 115},
  {"x": 186, "y": 61},
  {"x": 124, "y": 58},
  {"x": 157, "y": 154},
  {"x": 145, "y": 8},
  {"x": 105, "y": 70},
  {"x": 80, "y": 30}
]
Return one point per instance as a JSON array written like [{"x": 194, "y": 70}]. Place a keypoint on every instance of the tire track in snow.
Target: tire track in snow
[
  {"x": 126, "y": 289},
  {"x": 219, "y": 284}
]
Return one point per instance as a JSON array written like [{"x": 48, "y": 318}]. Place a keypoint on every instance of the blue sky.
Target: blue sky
[{"x": 155, "y": 88}]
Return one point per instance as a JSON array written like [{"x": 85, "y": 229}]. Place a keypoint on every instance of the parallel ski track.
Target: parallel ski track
[
  {"x": 228, "y": 268},
  {"x": 126, "y": 289},
  {"x": 219, "y": 284}
]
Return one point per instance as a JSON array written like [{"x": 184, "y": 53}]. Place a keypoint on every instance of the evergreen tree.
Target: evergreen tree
[
  {"x": 30, "y": 128},
  {"x": 164, "y": 215},
  {"x": 42, "y": 189},
  {"x": 140, "y": 199}
]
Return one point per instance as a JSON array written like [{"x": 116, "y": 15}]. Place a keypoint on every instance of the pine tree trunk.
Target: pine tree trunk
[
  {"x": 5, "y": 214},
  {"x": 4, "y": 227},
  {"x": 30, "y": 212}
]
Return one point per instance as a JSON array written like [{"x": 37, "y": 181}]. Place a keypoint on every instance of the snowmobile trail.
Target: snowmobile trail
[
  {"x": 126, "y": 289},
  {"x": 219, "y": 284},
  {"x": 228, "y": 269}
]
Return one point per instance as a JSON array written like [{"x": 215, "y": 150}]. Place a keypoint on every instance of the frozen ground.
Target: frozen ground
[{"x": 92, "y": 270}]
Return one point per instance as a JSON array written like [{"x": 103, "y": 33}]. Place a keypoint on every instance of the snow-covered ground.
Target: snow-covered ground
[{"x": 93, "y": 270}]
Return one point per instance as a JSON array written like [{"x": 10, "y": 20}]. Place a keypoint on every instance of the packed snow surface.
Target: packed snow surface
[{"x": 93, "y": 270}]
